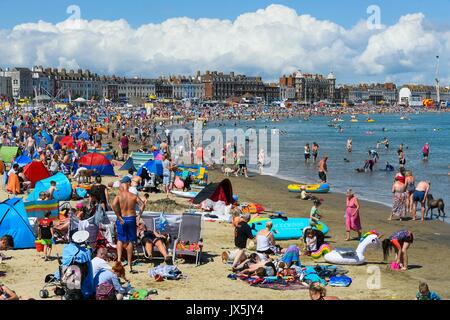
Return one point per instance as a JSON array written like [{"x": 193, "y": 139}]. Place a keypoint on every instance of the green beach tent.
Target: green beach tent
[{"x": 7, "y": 154}]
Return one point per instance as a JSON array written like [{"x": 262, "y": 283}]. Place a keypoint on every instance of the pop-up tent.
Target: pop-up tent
[
  {"x": 35, "y": 171},
  {"x": 68, "y": 142},
  {"x": 7, "y": 154},
  {"x": 153, "y": 166},
  {"x": 63, "y": 188},
  {"x": 22, "y": 160},
  {"x": 129, "y": 164},
  {"x": 44, "y": 135},
  {"x": 97, "y": 162},
  {"x": 14, "y": 222},
  {"x": 215, "y": 192}
]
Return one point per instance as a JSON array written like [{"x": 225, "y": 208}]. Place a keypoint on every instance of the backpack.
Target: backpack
[{"x": 105, "y": 291}]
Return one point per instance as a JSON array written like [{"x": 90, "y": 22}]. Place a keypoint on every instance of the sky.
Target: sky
[{"x": 359, "y": 40}]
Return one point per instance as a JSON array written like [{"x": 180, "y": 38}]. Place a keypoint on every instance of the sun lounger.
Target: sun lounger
[{"x": 189, "y": 241}]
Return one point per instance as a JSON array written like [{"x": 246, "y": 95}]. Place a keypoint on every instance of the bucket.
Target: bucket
[{"x": 39, "y": 246}]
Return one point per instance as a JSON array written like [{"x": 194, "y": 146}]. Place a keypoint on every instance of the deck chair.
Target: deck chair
[{"x": 189, "y": 241}]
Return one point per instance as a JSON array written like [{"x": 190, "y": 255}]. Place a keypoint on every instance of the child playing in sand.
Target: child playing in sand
[
  {"x": 425, "y": 293},
  {"x": 311, "y": 242},
  {"x": 6, "y": 242},
  {"x": 45, "y": 233},
  {"x": 314, "y": 217}
]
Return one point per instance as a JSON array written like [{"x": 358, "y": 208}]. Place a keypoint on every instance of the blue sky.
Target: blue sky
[
  {"x": 258, "y": 37},
  {"x": 137, "y": 12}
]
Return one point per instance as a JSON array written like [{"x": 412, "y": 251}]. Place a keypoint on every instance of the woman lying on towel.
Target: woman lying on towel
[{"x": 152, "y": 238}]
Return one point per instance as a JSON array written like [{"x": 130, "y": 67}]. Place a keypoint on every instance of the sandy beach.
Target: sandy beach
[{"x": 429, "y": 255}]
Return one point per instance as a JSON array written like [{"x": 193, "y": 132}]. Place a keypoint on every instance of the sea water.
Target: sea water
[{"x": 375, "y": 186}]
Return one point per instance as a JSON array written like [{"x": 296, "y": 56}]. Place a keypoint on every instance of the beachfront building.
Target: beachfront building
[
  {"x": 220, "y": 86},
  {"x": 414, "y": 95},
  {"x": 287, "y": 93},
  {"x": 163, "y": 88},
  {"x": 376, "y": 93},
  {"x": 187, "y": 87},
  {"x": 309, "y": 88},
  {"x": 42, "y": 82},
  {"x": 5, "y": 87},
  {"x": 21, "y": 82},
  {"x": 271, "y": 92}
]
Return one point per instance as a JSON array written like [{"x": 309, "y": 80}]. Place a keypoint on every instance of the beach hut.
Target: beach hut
[
  {"x": 22, "y": 161},
  {"x": 153, "y": 166},
  {"x": 35, "y": 171},
  {"x": 63, "y": 188},
  {"x": 14, "y": 222},
  {"x": 97, "y": 162},
  {"x": 7, "y": 154}
]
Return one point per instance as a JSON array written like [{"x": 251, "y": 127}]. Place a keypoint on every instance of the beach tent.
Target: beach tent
[
  {"x": 63, "y": 188},
  {"x": 139, "y": 158},
  {"x": 7, "y": 154},
  {"x": 44, "y": 135},
  {"x": 222, "y": 191},
  {"x": 104, "y": 152},
  {"x": 22, "y": 160},
  {"x": 35, "y": 171},
  {"x": 153, "y": 166},
  {"x": 68, "y": 142},
  {"x": 97, "y": 162},
  {"x": 14, "y": 222},
  {"x": 129, "y": 164}
]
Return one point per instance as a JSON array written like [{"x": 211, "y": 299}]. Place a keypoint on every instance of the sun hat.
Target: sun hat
[{"x": 80, "y": 236}]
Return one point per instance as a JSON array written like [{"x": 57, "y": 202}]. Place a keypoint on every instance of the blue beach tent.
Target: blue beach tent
[
  {"x": 63, "y": 188},
  {"x": 22, "y": 160},
  {"x": 14, "y": 222},
  {"x": 153, "y": 166}
]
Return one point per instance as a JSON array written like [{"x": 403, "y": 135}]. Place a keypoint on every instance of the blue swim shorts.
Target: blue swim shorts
[
  {"x": 128, "y": 231},
  {"x": 418, "y": 196}
]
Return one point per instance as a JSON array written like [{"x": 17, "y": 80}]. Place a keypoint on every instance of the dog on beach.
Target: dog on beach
[
  {"x": 227, "y": 171},
  {"x": 435, "y": 204}
]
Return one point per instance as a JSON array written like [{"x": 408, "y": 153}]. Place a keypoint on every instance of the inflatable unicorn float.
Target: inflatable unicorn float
[{"x": 352, "y": 256}]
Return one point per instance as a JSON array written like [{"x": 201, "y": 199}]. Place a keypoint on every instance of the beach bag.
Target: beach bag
[{"x": 105, "y": 291}]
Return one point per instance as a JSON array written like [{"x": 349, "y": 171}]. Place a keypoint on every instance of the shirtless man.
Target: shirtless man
[
  {"x": 124, "y": 206},
  {"x": 420, "y": 195},
  {"x": 323, "y": 169}
]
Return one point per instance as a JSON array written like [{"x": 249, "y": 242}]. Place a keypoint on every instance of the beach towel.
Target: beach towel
[{"x": 13, "y": 184}]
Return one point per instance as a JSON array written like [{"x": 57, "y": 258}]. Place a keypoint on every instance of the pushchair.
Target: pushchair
[{"x": 73, "y": 279}]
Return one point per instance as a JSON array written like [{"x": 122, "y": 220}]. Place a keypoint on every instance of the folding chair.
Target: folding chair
[{"x": 189, "y": 241}]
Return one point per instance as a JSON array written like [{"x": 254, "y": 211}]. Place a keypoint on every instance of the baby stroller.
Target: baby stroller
[{"x": 74, "y": 275}]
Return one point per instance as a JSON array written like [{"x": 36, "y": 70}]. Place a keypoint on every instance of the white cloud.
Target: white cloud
[{"x": 268, "y": 42}]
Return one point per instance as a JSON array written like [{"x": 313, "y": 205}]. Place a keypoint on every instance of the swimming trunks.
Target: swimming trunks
[
  {"x": 418, "y": 196},
  {"x": 128, "y": 231}
]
